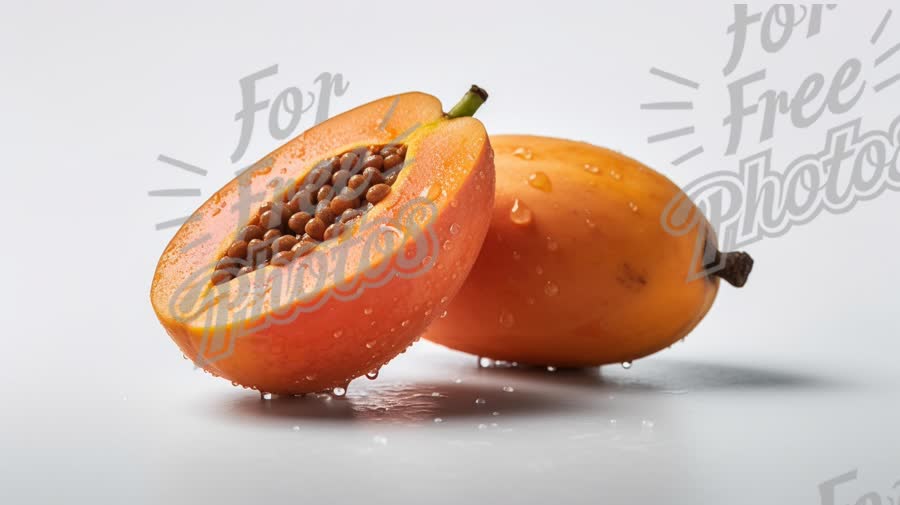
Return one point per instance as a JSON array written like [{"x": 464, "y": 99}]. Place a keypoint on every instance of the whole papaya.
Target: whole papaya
[{"x": 578, "y": 268}]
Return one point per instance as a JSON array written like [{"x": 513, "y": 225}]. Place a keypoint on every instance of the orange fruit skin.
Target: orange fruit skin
[
  {"x": 593, "y": 278},
  {"x": 257, "y": 331}
]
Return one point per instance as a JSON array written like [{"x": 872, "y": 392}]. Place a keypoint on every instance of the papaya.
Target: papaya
[
  {"x": 332, "y": 254},
  {"x": 578, "y": 268}
]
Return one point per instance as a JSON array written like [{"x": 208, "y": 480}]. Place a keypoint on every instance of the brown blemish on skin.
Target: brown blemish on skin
[{"x": 631, "y": 278}]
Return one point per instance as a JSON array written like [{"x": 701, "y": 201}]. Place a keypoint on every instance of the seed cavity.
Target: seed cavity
[{"x": 312, "y": 210}]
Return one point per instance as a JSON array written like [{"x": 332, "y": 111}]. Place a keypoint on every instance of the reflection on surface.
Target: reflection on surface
[{"x": 473, "y": 392}]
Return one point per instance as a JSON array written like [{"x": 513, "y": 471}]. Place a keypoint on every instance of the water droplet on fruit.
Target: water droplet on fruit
[
  {"x": 480, "y": 401},
  {"x": 519, "y": 213},
  {"x": 444, "y": 300},
  {"x": 454, "y": 204},
  {"x": 508, "y": 389},
  {"x": 372, "y": 375},
  {"x": 454, "y": 229},
  {"x": 339, "y": 392},
  {"x": 337, "y": 334},
  {"x": 551, "y": 368},
  {"x": 405, "y": 323},
  {"x": 484, "y": 362},
  {"x": 523, "y": 153},
  {"x": 370, "y": 345},
  {"x": 633, "y": 206},
  {"x": 615, "y": 175},
  {"x": 446, "y": 245},
  {"x": 507, "y": 320},
  {"x": 434, "y": 192},
  {"x": 265, "y": 396},
  {"x": 626, "y": 365},
  {"x": 592, "y": 169},
  {"x": 310, "y": 377},
  {"x": 540, "y": 180},
  {"x": 551, "y": 289},
  {"x": 367, "y": 311},
  {"x": 590, "y": 224}
]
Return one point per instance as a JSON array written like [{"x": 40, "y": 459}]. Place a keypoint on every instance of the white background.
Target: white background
[{"x": 788, "y": 383}]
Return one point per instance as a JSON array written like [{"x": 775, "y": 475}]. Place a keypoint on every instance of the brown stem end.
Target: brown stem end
[{"x": 734, "y": 267}]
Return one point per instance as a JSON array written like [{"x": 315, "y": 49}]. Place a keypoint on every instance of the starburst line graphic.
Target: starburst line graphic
[
  {"x": 682, "y": 104},
  {"x": 675, "y": 105},
  {"x": 177, "y": 192}
]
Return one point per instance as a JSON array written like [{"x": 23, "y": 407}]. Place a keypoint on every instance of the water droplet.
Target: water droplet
[
  {"x": 626, "y": 365},
  {"x": 615, "y": 175},
  {"x": 541, "y": 181},
  {"x": 235, "y": 383},
  {"x": 507, "y": 320},
  {"x": 519, "y": 213},
  {"x": 509, "y": 389},
  {"x": 516, "y": 256},
  {"x": 454, "y": 229},
  {"x": 591, "y": 169},
  {"x": 370, "y": 345},
  {"x": 444, "y": 300},
  {"x": 551, "y": 289},
  {"x": 480, "y": 401},
  {"x": 443, "y": 314},
  {"x": 438, "y": 420},
  {"x": 551, "y": 368},
  {"x": 485, "y": 362},
  {"x": 454, "y": 204},
  {"x": 337, "y": 333},
  {"x": 633, "y": 206},
  {"x": 590, "y": 223},
  {"x": 310, "y": 377},
  {"x": 265, "y": 396},
  {"x": 539, "y": 270},
  {"x": 372, "y": 375},
  {"x": 434, "y": 192},
  {"x": 339, "y": 392},
  {"x": 367, "y": 311},
  {"x": 446, "y": 245},
  {"x": 523, "y": 153}
]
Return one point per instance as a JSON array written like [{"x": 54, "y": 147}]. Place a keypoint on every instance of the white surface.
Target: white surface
[{"x": 788, "y": 383}]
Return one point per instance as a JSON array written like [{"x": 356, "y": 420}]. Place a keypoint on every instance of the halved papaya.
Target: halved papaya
[{"x": 331, "y": 255}]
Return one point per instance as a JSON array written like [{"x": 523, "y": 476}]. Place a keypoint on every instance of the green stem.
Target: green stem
[{"x": 470, "y": 103}]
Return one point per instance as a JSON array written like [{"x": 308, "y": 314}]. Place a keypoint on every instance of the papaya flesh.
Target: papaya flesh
[
  {"x": 356, "y": 300},
  {"x": 577, "y": 269}
]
